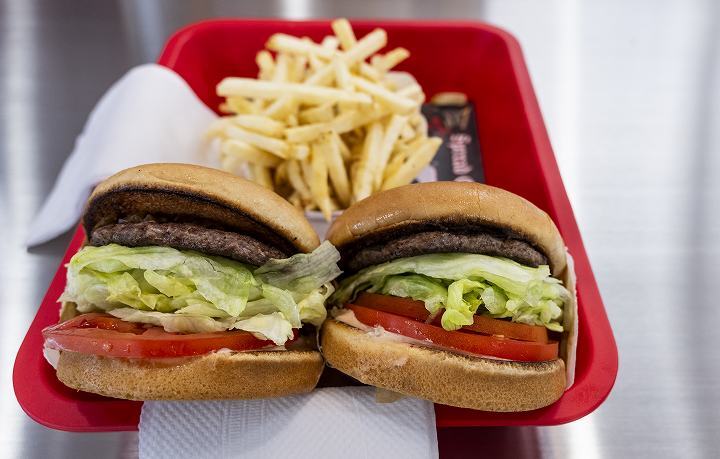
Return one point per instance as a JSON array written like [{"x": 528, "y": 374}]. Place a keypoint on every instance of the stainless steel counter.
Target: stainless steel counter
[{"x": 631, "y": 98}]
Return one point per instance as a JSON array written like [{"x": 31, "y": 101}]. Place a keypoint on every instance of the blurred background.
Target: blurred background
[{"x": 630, "y": 92}]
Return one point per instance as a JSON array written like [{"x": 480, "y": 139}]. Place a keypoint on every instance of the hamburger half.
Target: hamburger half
[
  {"x": 194, "y": 284},
  {"x": 455, "y": 292}
]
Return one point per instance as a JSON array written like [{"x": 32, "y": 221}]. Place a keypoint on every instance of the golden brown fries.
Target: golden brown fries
[{"x": 325, "y": 124}]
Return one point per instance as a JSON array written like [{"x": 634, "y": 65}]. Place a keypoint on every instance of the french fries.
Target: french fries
[{"x": 325, "y": 124}]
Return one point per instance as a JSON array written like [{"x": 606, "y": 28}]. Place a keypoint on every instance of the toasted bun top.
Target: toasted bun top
[
  {"x": 452, "y": 204},
  {"x": 189, "y": 192}
]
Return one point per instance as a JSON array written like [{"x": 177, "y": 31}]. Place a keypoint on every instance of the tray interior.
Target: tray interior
[{"x": 481, "y": 61}]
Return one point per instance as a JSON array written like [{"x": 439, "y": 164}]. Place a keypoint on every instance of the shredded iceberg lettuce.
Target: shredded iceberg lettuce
[
  {"x": 462, "y": 284},
  {"x": 188, "y": 292}
]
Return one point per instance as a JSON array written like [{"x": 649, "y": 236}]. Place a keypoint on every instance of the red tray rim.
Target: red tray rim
[{"x": 555, "y": 414}]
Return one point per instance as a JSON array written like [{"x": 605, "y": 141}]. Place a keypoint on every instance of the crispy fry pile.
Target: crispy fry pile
[{"x": 325, "y": 124}]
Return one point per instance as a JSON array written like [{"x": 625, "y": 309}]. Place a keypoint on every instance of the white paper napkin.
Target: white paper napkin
[
  {"x": 150, "y": 115},
  {"x": 342, "y": 423}
]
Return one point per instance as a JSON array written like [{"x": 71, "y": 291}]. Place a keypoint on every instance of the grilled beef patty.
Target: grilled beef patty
[
  {"x": 187, "y": 236},
  {"x": 442, "y": 241}
]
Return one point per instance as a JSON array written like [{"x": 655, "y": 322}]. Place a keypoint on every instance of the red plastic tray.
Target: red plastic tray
[{"x": 480, "y": 60}]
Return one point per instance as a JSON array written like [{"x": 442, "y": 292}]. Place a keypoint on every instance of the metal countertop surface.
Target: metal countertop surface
[{"x": 631, "y": 98}]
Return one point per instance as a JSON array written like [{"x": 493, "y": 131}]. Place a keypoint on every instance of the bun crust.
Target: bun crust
[
  {"x": 450, "y": 203},
  {"x": 200, "y": 192},
  {"x": 441, "y": 376},
  {"x": 242, "y": 375}
]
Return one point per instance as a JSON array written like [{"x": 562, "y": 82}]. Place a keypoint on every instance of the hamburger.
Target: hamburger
[
  {"x": 456, "y": 292},
  {"x": 193, "y": 284}
]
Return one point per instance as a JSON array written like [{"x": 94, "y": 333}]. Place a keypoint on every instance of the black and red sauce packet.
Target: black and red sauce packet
[{"x": 458, "y": 158}]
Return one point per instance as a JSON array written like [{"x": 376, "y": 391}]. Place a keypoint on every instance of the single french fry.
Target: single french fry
[
  {"x": 330, "y": 42},
  {"x": 280, "y": 175},
  {"x": 224, "y": 108},
  {"x": 217, "y": 128},
  {"x": 228, "y": 163},
  {"x": 344, "y": 32},
  {"x": 351, "y": 120},
  {"x": 369, "y": 72},
  {"x": 417, "y": 97},
  {"x": 241, "y": 105},
  {"x": 299, "y": 151},
  {"x": 390, "y": 60},
  {"x": 344, "y": 150},
  {"x": 400, "y": 155},
  {"x": 319, "y": 183},
  {"x": 396, "y": 160},
  {"x": 420, "y": 123},
  {"x": 354, "y": 168},
  {"x": 342, "y": 74},
  {"x": 262, "y": 176},
  {"x": 284, "y": 43},
  {"x": 344, "y": 107},
  {"x": 366, "y": 46},
  {"x": 306, "y": 133},
  {"x": 259, "y": 105},
  {"x": 414, "y": 164},
  {"x": 309, "y": 94},
  {"x": 319, "y": 114},
  {"x": 297, "y": 181},
  {"x": 260, "y": 124},
  {"x": 336, "y": 167},
  {"x": 393, "y": 101},
  {"x": 282, "y": 108},
  {"x": 324, "y": 76},
  {"x": 392, "y": 132},
  {"x": 398, "y": 80},
  {"x": 410, "y": 91},
  {"x": 306, "y": 169},
  {"x": 266, "y": 64},
  {"x": 315, "y": 63},
  {"x": 346, "y": 121},
  {"x": 407, "y": 133},
  {"x": 246, "y": 152},
  {"x": 363, "y": 182},
  {"x": 282, "y": 69},
  {"x": 246, "y": 171},
  {"x": 275, "y": 146},
  {"x": 296, "y": 73},
  {"x": 294, "y": 199}
]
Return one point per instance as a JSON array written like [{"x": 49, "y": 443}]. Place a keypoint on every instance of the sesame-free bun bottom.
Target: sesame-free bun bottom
[
  {"x": 442, "y": 376},
  {"x": 218, "y": 375}
]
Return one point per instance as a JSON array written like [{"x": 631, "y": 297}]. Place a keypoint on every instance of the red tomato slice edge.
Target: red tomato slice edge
[
  {"x": 103, "y": 334},
  {"x": 473, "y": 343},
  {"x": 486, "y": 325}
]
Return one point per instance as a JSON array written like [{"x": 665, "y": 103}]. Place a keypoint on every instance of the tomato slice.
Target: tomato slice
[
  {"x": 482, "y": 324},
  {"x": 394, "y": 304},
  {"x": 473, "y": 343},
  {"x": 103, "y": 334}
]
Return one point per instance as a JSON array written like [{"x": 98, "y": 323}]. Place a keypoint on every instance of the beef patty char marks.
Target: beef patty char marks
[
  {"x": 187, "y": 236},
  {"x": 424, "y": 242}
]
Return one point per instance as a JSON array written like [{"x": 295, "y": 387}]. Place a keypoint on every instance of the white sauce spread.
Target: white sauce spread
[{"x": 51, "y": 355}]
